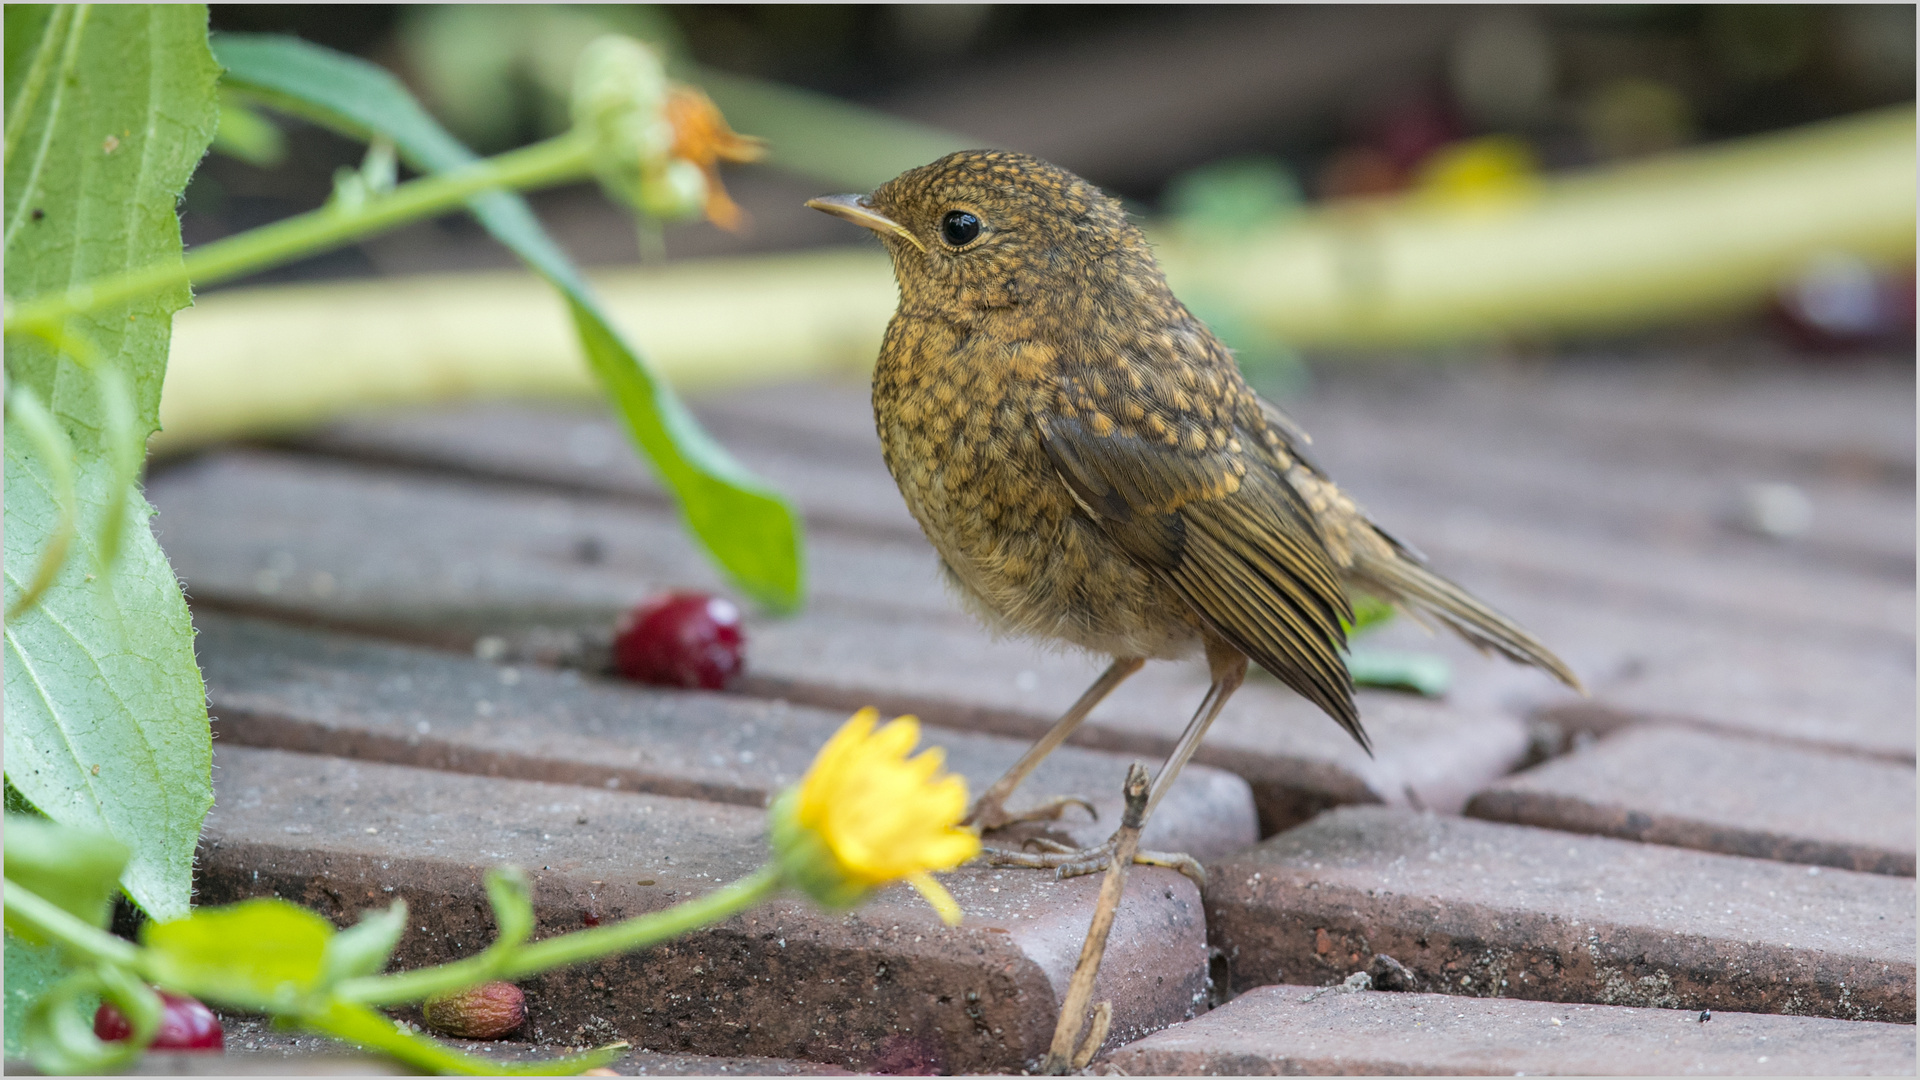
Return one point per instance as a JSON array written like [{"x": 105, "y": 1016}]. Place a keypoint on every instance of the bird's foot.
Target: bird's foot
[
  {"x": 1068, "y": 862},
  {"x": 987, "y": 817}
]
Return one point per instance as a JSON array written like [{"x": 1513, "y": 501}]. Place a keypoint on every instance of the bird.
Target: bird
[{"x": 1091, "y": 467}]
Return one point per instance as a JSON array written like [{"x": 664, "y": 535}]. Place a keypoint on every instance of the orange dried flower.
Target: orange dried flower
[{"x": 701, "y": 136}]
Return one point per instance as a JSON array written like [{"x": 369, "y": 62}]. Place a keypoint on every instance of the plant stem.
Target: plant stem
[
  {"x": 557, "y": 160},
  {"x": 26, "y": 910},
  {"x": 362, "y": 1026},
  {"x": 624, "y": 936}
]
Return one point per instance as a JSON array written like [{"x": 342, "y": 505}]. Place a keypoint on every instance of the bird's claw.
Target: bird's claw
[
  {"x": 1068, "y": 862},
  {"x": 988, "y": 817}
]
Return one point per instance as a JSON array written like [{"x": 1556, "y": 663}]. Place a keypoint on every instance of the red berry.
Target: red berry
[
  {"x": 681, "y": 639},
  {"x": 487, "y": 1011},
  {"x": 185, "y": 1024}
]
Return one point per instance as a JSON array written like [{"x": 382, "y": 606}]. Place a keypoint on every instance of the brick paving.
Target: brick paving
[
  {"x": 1717, "y": 793},
  {"x": 273, "y": 685},
  {"x": 1292, "y": 1030},
  {"x": 885, "y": 987},
  {"x": 452, "y": 562},
  {"x": 442, "y": 583},
  {"x": 1499, "y": 910}
]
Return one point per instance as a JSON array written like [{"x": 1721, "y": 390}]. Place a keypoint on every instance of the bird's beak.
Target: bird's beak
[{"x": 855, "y": 209}]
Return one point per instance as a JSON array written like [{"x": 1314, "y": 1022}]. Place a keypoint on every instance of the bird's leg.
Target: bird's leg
[
  {"x": 990, "y": 812},
  {"x": 1229, "y": 668}
]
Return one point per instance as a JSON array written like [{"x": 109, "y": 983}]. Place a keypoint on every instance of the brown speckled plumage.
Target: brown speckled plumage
[{"x": 1086, "y": 458}]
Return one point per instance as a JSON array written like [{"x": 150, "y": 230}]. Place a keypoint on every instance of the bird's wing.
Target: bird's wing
[{"x": 1227, "y": 530}]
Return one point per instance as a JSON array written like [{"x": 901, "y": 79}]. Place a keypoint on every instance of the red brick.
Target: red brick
[
  {"x": 1595, "y": 454},
  {"x": 1486, "y": 909},
  {"x": 1788, "y": 687},
  {"x": 278, "y": 686},
  {"x": 1851, "y": 700},
  {"x": 1288, "y": 1030},
  {"x": 1652, "y": 411},
  {"x": 1717, "y": 793},
  {"x": 886, "y": 986},
  {"x": 278, "y": 532}
]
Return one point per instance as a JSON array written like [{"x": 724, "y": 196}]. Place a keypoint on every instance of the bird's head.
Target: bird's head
[{"x": 990, "y": 229}]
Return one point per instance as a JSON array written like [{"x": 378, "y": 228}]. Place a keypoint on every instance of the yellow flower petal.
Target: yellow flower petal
[{"x": 875, "y": 815}]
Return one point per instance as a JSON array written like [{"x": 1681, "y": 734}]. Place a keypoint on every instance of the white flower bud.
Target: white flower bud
[{"x": 620, "y": 98}]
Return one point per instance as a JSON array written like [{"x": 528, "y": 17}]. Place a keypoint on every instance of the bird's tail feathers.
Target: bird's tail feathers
[{"x": 1426, "y": 595}]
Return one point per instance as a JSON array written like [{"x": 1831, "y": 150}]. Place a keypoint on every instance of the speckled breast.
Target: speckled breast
[{"x": 956, "y": 423}]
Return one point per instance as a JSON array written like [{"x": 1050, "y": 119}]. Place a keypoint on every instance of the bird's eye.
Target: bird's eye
[{"x": 959, "y": 228}]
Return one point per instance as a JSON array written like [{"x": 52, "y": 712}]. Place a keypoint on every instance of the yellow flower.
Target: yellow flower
[{"x": 866, "y": 814}]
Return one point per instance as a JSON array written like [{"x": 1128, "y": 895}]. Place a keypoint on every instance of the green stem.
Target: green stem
[
  {"x": 624, "y": 936},
  {"x": 362, "y": 1026},
  {"x": 36, "y": 916},
  {"x": 557, "y": 160}
]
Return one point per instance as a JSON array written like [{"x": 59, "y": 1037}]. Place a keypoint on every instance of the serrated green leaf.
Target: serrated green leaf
[
  {"x": 751, "y": 532},
  {"x": 259, "y": 954},
  {"x": 108, "y": 110},
  {"x": 32, "y": 970},
  {"x": 74, "y": 869}
]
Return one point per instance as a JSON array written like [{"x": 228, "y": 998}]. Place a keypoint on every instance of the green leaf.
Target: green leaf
[
  {"x": 1224, "y": 200},
  {"x": 108, "y": 109},
  {"x": 1369, "y": 613},
  {"x": 262, "y": 954},
  {"x": 246, "y": 135},
  {"x": 32, "y": 971},
  {"x": 365, "y": 948},
  {"x": 511, "y": 895},
  {"x": 75, "y": 869},
  {"x": 58, "y": 1029},
  {"x": 1418, "y": 673},
  {"x": 32, "y": 421},
  {"x": 751, "y": 532}
]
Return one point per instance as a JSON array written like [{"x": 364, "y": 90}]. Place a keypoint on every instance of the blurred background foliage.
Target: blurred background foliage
[{"x": 1214, "y": 123}]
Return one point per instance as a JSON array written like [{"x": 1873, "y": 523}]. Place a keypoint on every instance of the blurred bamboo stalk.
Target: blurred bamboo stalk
[
  {"x": 1698, "y": 232},
  {"x": 278, "y": 358}
]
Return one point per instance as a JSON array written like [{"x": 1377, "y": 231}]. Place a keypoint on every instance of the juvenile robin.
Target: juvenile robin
[{"x": 1091, "y": 467}]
